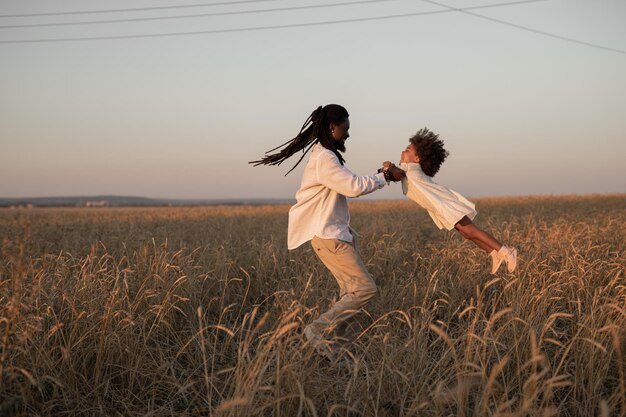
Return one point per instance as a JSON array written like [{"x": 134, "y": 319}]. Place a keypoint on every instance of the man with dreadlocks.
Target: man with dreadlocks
[{"x": 321, "y": 215}]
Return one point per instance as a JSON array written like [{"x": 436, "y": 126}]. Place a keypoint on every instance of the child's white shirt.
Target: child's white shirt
[{"x": 445, "y": 206}]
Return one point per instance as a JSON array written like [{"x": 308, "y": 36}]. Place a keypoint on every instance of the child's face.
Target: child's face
[{"x": 409, "y": 154}]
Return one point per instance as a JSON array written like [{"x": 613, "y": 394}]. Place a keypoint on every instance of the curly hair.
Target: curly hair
[{"x": 430, "y": 151}]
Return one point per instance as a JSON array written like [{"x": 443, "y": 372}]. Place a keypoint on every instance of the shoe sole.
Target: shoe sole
[{"x": 510, "y": 267}]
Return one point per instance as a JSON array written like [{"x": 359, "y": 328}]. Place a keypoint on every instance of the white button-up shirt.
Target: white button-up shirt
[
  {"x": 445, "y": 206},
  {"x": 321, "y": 207}
]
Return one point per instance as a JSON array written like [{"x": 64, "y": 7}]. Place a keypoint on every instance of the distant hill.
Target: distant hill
[{"x": 129, "y": 201}]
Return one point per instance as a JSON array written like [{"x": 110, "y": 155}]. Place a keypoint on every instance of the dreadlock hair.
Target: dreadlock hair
[
  {"x": 314, "y": 130},
  {"x": 430, "y": 151}
]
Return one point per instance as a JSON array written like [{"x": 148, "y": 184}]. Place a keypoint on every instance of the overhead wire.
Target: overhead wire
[
  {"x": 446, "y": 9},
  {"x": 258, "y": 28},
  {"x": 212, "y": 14},
  {"x": 136, "y": 9},
  {"x": 536, "y": 31}
]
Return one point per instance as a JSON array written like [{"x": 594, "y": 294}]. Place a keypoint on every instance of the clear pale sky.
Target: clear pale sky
[{"x": 180, "y": 116}]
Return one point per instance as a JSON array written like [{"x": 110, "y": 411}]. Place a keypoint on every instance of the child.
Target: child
[{"x": 448, "y": 209}]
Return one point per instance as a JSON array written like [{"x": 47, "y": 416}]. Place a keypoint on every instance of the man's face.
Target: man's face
[{"x": 340, "y": 134}]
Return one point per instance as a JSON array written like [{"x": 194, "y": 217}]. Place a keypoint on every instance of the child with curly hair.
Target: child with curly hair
[{"x": 448, "y": 209}]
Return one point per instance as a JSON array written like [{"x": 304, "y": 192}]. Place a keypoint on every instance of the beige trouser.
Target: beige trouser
[{"x": 355, "y": 284}]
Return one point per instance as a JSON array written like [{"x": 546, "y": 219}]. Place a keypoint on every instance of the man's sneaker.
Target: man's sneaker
[
  {"x": 311, "y": 335},
  {"x": 321, "y": 346}
]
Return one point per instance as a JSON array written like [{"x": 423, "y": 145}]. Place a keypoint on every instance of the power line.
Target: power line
[
  {"x": 447, "y": 9},
  {"x": 138, "y": 19},
  {"x": 540, "y": 32},
  {"x": 137, "y": 9},
  {"x": 256, "y": 28}
]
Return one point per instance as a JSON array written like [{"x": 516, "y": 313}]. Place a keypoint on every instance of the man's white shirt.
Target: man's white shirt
[{"x": 321, "y": 207}]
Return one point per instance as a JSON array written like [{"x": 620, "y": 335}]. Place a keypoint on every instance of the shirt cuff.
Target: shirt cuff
[{"x": 381, "y": 180}]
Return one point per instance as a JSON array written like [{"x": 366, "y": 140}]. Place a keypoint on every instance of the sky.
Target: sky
[{"x": 529, "y": 98}]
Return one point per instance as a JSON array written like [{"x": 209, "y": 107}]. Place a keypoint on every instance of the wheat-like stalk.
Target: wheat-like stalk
[{"x": 200, "y": 311}]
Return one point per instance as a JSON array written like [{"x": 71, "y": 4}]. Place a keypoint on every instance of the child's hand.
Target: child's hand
[
  {"x": 396, "y": 173},
  {"x": 392, "y": 172}
]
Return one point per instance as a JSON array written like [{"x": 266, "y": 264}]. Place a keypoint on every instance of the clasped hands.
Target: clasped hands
[{"x": 392, "y": 172}]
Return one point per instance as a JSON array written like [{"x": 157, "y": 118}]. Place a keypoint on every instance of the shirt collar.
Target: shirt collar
[{"x": 412, "y": 166}]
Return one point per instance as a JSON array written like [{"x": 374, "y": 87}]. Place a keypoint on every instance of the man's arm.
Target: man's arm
[{"x": 337, "y": 177}]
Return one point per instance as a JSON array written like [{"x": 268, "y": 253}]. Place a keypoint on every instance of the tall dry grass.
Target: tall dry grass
[{"x": 200, "y": 311}]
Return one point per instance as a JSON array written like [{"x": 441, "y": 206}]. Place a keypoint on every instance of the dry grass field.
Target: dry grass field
[{"x": 200, "y": 311}]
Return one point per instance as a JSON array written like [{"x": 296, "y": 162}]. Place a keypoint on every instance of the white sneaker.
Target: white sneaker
[
  {"x": 310, "y": 334},
  {"x": 510, "y": 257},
  {"x": 496, "y": 260},
  {"x": 321, "y": 346}
]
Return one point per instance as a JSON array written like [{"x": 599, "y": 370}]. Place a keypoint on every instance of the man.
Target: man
[{"x": 321, "y": 215}]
